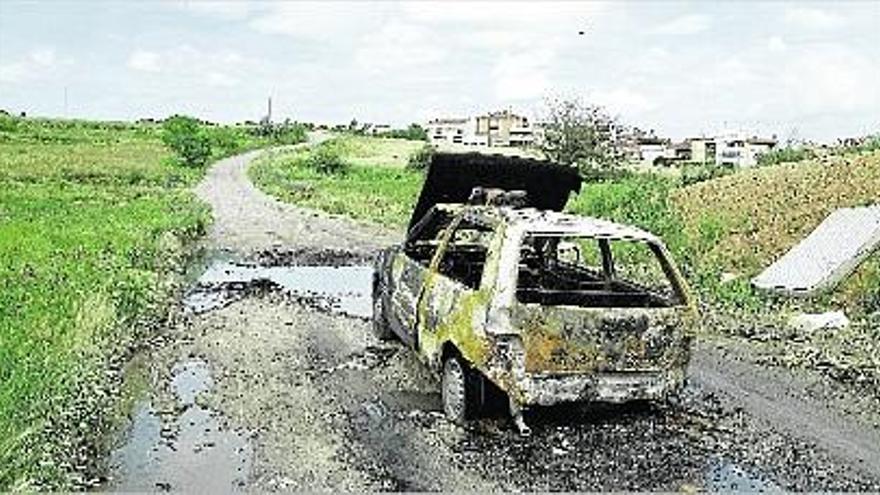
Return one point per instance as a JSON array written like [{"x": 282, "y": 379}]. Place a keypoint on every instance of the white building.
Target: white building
[
  {"x": 654, "y": 151},
  {"x": 497, "y": 129},
  {"x": 740, "y": 151},
  {"x": 449, "y": 130}
]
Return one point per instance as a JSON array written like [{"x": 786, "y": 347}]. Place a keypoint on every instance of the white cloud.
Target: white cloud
[
  {"x": 776, "y": 44},
  {"x": 397, "y": 47},
  {"x": 623, "y": 100},
  {"x": 39, "y": 63},
  {"x": 535, "y": 15},
  {"x": 144, "y": 61},
  {"x": 12, "y": 73},
  {"x": 43, "y": 56},
  {"x": 220, "y": 79},
  {"x": 813, "y": 18},
  {"x": 684, "y": 25},
  {"x": 323, "y": 21},
  {"x": 832, "y": 78},
  {"x": 230, "y": 10},
  {"x": 523, "y": 75}
]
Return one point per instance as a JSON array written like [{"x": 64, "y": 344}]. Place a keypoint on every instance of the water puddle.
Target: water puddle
[
  {"x": 166, "y": 449},
  {"x": 344, "y": 289},
  {"x": 725, "y": 476},
  {"x": 176, "y": 443}
]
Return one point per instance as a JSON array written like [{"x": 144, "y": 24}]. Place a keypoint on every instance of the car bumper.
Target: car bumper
[{"x": 615, "y": 387}]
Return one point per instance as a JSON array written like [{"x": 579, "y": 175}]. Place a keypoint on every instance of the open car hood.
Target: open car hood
[{"x": 452, "y": 176}]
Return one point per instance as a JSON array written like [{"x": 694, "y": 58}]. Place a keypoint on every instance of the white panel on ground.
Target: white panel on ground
[{"x": 826, "y": 256}]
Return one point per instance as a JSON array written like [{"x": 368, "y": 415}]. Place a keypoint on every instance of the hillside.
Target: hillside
[{"x": 755, "y": 216}]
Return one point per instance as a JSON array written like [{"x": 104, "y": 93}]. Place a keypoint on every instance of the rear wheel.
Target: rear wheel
[{"x": 457, "y": 391}]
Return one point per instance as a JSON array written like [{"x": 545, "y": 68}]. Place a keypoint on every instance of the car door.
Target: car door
[
  {"x": 410, "y": 270},
  {"x": 447, "y": 296},
  {"x": 409, "y": 277}
]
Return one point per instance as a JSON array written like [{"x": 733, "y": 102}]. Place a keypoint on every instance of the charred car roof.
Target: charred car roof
[
  {"x": 534, "y": 221},
  {"x": 452, "y": 177}
]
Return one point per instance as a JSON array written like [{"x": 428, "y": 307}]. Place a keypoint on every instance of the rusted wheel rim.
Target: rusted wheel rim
[{"x": 453, "y": 390}]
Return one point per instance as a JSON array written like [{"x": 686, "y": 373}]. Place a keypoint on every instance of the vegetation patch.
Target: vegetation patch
[
  {"x": 94, "y": 220},
  {"x": 383, "y": 192}
]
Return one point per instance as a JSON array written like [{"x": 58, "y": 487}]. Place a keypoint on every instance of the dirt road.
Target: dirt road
[{"x": 271, "y": 380}]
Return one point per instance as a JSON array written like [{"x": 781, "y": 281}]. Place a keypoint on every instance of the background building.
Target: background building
[{"x": 497, "y": 129}]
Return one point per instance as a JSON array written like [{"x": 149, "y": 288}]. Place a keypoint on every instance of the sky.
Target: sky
[{"x": 801, "y": 70}]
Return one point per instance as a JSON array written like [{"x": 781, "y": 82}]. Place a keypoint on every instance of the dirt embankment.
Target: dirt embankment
[{"x": 287, "y": 389}]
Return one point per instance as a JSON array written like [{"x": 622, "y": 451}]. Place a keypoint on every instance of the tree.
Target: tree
[
  {"x": 582, "y": 135},
  {"x": 186, "y": 137}
]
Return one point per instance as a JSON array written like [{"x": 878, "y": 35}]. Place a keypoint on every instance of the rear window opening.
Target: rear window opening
[{"x": 595, "y": 272}]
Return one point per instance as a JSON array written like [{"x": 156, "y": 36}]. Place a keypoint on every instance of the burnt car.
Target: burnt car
[{"x": 499, "y": 291}]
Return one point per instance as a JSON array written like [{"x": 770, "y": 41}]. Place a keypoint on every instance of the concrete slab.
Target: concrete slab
[{"x": 828, "y": 255}]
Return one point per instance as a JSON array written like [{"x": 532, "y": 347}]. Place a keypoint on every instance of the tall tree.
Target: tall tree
[{"x": 582, "y": 135}]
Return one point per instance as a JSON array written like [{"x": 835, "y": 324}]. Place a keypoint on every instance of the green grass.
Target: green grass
[
  {"x": 377, "y": 187},
  {"x": 93, "y": 222},
  {"x": 368, "y": 151}
]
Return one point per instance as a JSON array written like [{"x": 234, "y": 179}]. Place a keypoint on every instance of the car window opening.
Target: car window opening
[
  {"x": 424, "y": 238},
  {"x": 594, "y": 272},
  {"x": 466, "y": 254}
]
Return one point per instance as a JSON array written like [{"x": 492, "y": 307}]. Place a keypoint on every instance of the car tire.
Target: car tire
[
  {"x": 457, "y": 390},
  {"x": 380, "y": 323}
]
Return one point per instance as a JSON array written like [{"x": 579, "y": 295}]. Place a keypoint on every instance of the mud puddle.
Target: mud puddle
[
  {"x": 174, "y": 443},
  {"x": 340, "y": 289}
]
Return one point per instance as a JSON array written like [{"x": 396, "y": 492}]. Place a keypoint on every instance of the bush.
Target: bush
[
  {"x": 421, "y": 158},
  {"x": 226, "y": 141},
  {"x": 693, "y": 173},
  {"x": 785, "y": 155},
  {"x": 284, "y": 133},
  {"x": 413, "y": 132},
  {"x": 186, "y": 137},
  {"x": 327, "y": 159}
]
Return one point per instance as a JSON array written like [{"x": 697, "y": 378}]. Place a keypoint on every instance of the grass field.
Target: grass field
[
  {"x": 94, "y": 219},
  {"x": 364, "y": 151},
  {"x": 378, "y": 187}
]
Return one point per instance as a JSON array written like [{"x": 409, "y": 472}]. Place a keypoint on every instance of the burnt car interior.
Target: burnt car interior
[
  {"x": 465, "y": 256},
  {"x": 593, "y": 273},
  {"x": 424, "y": 237}
]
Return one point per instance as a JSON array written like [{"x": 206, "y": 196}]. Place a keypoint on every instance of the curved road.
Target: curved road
[{"x": 315, "y": 403}]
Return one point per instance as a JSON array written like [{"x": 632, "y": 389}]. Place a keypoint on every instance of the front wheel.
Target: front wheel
[{"x": 457, "y": 403}]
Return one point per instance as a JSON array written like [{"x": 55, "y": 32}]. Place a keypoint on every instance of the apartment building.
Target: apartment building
[
  {"x": 733, "y": 150},
  {"x": 500, "y": 129}
]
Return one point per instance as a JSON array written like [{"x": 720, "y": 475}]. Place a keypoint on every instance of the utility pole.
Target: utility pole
[{"x": 269, "y": 114}]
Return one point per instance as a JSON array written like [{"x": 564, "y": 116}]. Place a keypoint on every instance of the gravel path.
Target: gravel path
[
  {"x": 246, "y": 220},
  {"x": 323, "y": 406}
]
